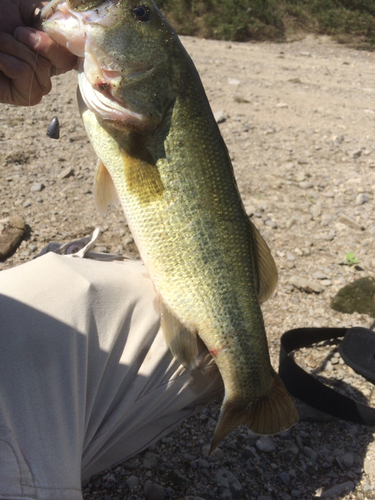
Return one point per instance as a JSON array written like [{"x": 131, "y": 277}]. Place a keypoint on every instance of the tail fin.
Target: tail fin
[{"x": 270, "y": 414}]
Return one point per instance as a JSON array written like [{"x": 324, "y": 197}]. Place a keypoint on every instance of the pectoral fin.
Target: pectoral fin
[
  {"x": 267, "y": 271},
  {"x": 181, "y": 341},
  {"x": 104, "y": 189}
]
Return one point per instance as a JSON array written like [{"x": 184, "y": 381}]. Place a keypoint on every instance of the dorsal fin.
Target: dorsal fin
[
  {"x": 267, "y": 271},
  {"x": 104, "y": 189},
  {"x": 182, "y": 342}
]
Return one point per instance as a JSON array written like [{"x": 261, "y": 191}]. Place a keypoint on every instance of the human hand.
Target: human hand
[{"x": 28, "y": 57}]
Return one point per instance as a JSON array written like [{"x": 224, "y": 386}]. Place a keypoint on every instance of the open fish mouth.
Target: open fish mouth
[{"x": 98, "y": 80}]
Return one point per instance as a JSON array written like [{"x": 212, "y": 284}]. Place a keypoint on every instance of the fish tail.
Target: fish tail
[{"x": 268, "y": 415}]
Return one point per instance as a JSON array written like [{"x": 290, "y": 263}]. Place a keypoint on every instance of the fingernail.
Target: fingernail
[{"x": 27, "y": 36}]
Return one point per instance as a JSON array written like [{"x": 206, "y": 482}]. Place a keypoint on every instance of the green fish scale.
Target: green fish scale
[{"x": 195, "y": 243}]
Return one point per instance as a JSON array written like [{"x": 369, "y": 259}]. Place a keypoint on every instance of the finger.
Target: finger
[
  {"x": 9, "y": 45},
  {"x": 18, "y": 82},
  {"x": 60, "y": 58},
  {"x": 35, "y": 68}
]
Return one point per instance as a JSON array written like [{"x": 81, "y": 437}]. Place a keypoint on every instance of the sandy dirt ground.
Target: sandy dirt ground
[{"x": 298, "y": 120}]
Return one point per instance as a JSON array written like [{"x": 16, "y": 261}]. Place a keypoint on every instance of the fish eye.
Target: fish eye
[{"x": 142, "y": 13}]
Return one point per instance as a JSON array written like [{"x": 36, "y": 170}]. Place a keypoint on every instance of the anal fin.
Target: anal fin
[
  {"x": 104, "y": 189},
  {"x": 182, "y": 342}
]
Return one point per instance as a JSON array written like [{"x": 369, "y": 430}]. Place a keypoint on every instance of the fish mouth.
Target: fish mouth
[{"x": 98, "y": 77}]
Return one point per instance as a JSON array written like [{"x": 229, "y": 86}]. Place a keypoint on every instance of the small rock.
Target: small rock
[
  {"x": 305, "y": 284},
  {"x": 200, "y": 463},
  {"x": 326, "y": 282},
  {"x": 361, "y": 199},
  {"x": 190, "y": 497},
  {"x": 227, "y": 480},
  {"x": 271, "y": 223},
  {"x": 178, "y": 478},
  {"x": 316, "y": 211},
  {"x": 306, "y": 185},
  {"x": 150, "y": 460},
  {"x": 153, "y": 491},
  {"x": 358, "y": 296},
  {"x": 329, "y": 236},
  {"x": 220, "y": 116},
  {"x": 285, "y": 478},
  {"x": 27, "y": 204},
  {"x": 233, "y": 81},
  {"x": 290, "y": 446},
  {"x": 37, "y": 186},
  {"x": 225, "y": 494},
  {"x": 339, "y": 489},
  {"x": 311, "y": 454},
  {"x": 281, "y": 105},
  {"x": 66, "y": 172},
  {"x": 128, "y": 239},
  {"x": 349, "y": 222},
  {"x": 11, "y": 236},
  {"x": 266, "y": 444},
  {"x": 132, "y": 482},
  {"x": 320, "y": 276},
  {"x": 250, "y": 452},
  {"x": 347, "y": 460}
]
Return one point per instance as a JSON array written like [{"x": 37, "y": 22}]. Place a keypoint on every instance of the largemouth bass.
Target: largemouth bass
[{"x": 161, "y": 153}]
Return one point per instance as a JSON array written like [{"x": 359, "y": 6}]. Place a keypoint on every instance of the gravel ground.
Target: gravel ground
[{"x": 298, "y": 119}]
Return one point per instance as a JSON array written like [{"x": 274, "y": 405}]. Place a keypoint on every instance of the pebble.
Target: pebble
[
  {"x": 226, "y": 479},
  {"x": 361, "y": 199},
  {"x": 271, "y": 223},
  {"x": 233, "y": 81},
  {"x": 132, "y": 482},
  {"x": 11, "y": 236},
  {"x": 178, "y": 478},
  {"x": 220, "y": 116},
  {"x": 339, "y": 489},
  {"x": 306, "y": 185},
  {"x": 150, "y": 460},
  {"x": 349, "y": 222},
  {"x": 311, "y": 454},
  {"x": 305, "y": 284},
  {"x": 190, "y": 497},
  {"x": 37, "y": 186},
  {"x": 290, "y": 446},
  {"x": 266, "y": 444},
  {"x": 285, "y": 478},
  {"x": 347, "y": 460},
  {"x": 153, "y": 491},
  {"x": 316, "y": 211},
  {"x": 66, "y": 172}
]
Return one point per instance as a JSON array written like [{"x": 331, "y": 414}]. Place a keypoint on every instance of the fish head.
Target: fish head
[{"x": 127, "y": 56}]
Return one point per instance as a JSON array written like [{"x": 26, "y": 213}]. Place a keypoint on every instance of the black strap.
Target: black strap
[{"x": 307, "y": 388}]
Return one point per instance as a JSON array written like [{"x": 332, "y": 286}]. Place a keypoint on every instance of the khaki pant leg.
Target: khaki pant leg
[{"x": 86, "y": 379}]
